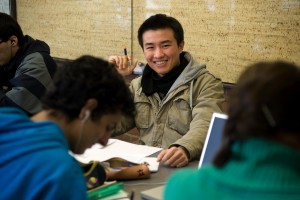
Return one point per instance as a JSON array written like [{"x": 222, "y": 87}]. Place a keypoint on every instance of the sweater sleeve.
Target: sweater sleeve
[{"x": 30, "y": 82}]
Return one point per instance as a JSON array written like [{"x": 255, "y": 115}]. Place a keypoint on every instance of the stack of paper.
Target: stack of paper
[{"x": 115, "y": 148}]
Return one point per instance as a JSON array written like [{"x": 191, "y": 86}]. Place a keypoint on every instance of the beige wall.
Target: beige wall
[{"x": 227, "y": 35}]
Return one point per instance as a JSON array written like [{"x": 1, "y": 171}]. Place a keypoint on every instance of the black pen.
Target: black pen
[
  {"x": 132, "y": 195},
  {"x": 125, "y": 54}
]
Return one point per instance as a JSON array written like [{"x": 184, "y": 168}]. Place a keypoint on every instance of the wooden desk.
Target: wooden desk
[{"x": 157, "y": 179}]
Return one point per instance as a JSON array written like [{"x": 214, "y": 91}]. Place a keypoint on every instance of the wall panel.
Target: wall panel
[{"x": 227, "y": 35}]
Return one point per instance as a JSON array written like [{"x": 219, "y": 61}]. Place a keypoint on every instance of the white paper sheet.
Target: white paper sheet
[{"x": 120, "y": 149}]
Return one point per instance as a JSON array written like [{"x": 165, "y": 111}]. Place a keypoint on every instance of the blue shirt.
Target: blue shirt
[{"x": 34, "y": 160}]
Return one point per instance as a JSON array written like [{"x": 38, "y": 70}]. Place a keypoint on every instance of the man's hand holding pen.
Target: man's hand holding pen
[{"x": 124, "y": 64}]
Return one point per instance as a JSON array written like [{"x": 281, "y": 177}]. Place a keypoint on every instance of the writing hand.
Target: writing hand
[
  {"x": 122, "y": 64},
  {"x": 174, "y": 157}
]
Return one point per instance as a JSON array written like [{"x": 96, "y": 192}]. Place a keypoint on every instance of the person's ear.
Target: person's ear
[
  {"x": 87, "y": 109},
  {"x": 13, "y": 40},
  {"x": 181, "y": 46},
  {"x": 86, "y": 116}
]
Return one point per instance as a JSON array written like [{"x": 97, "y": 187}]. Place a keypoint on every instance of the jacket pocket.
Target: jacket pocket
[
  {"x": 180, "y": 115},
  {"x": 142, "y": 117}
]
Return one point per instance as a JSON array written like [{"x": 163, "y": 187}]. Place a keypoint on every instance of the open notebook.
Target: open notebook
[
  {"x": 211, "y": 146},
  {"x": 132, "y": 153}
]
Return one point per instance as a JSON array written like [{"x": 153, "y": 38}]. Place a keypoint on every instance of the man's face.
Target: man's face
[
  {"x": 98, "y": 131},
  {"x": 5, "y": 52},
  {"x": 161, "y": 50}
]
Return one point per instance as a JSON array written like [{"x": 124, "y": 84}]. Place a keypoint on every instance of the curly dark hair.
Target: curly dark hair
[
  {"x": 89, "y": 77},
  {"x": 264, "y": 103},
  {"x": 161, "y": 21}
]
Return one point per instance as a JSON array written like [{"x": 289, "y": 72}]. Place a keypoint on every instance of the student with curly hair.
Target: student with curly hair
[{"x": 88, "y": 99}]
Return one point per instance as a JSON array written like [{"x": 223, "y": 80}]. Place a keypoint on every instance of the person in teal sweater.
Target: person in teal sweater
[{"x": 260, "y": 154}]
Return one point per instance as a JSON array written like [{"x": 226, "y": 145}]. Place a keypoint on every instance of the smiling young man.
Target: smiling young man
[{"x": 175, "y": 97}]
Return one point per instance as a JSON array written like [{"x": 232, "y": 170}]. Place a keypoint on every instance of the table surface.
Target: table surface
[{"x": 157, "y": 178}]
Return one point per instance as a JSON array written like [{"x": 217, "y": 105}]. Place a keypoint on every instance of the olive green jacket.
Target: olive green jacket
[{"x": 182, "y": 117}]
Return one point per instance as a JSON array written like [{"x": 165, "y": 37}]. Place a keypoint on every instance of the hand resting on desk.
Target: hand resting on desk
[{"x": 174, "y": 157}]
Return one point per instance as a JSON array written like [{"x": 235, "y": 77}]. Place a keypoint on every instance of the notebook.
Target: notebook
[
  {"x": 153, "y": 194},
  {"x": 213, "y": 138}
]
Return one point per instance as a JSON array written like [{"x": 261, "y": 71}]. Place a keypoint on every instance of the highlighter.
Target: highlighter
[{"x": 105, "y": 191}]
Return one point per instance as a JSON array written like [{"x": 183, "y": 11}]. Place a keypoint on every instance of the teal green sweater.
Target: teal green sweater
[{"x": 259, "y": 169}]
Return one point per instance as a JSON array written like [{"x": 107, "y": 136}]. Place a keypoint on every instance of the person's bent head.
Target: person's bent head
[
  {"x": 265, "y": 103},
  {"x": 161, "y": 21},
  {"x": 90, "y": 92}
]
